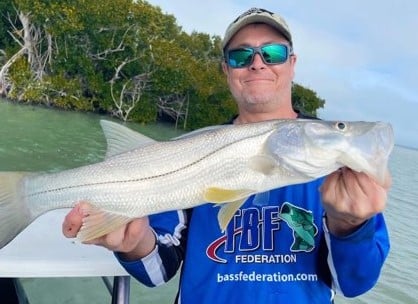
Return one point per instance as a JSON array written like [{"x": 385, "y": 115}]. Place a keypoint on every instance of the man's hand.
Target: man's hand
[
  {"x": 133, "y": 241},
  {"x": 350, "y": 198}
]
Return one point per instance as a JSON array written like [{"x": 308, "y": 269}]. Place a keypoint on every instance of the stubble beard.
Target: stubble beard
[{"x": 260, "y": 103}]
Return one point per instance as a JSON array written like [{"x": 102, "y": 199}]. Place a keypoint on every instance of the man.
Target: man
[{"x": 296, "y": 244}]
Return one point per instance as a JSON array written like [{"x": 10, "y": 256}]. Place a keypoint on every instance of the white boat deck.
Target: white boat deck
[{"x": 41, "y": 251}]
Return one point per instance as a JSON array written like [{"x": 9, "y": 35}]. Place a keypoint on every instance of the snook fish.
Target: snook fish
[{"x": 224, "y": 164}]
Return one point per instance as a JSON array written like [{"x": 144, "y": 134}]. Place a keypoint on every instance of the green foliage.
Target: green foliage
[
  {"x": 306, "y": 100},
  {"x": 55, "y": 16},
  {"x": 217, "y": 109},
  {"x": 100, "y": 48},
  {"x": 57, "y": 90},
  {"x": 146, "y": 111},
  {"x": 22, "y": 79},
  {"x": 6, "y": 10},
  {"x": 67, "y": 93}
]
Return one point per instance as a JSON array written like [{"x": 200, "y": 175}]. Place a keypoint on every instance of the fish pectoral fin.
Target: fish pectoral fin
[
  {"x": 263, "y": 163},
  {"x": 227, "y": 211},
  {"x": 220, "y": 195},
  {"x": 97, "y": 223}
]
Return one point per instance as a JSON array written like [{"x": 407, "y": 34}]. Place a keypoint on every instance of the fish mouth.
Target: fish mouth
[{"x": 370, "y": 151}]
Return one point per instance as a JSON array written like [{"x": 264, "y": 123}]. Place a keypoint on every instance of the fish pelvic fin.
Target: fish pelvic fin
[
  {"x": 227, "y": 212},
  {"x": 233, "y": 200},
  {"x": 220, "y": 195},
  {"x": 97, "y": 222},
  {"x": 14, "y": 214}
]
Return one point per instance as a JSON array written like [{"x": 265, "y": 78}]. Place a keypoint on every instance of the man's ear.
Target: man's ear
[
  {"x": 224, "y": 67},
  {"x": 293, "y": 59}
]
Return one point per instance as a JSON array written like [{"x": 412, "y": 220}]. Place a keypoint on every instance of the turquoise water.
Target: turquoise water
[
  {"x": 34, "y": 138},
  {"x": 399, "y": 279},
  {"x": 37, "y": 139}
]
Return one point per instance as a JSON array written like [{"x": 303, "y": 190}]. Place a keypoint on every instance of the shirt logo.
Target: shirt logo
[{"x": 255, "y": 228}]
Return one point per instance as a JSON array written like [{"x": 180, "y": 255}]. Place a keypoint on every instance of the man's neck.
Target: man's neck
[{"x": 244, "y": 117}]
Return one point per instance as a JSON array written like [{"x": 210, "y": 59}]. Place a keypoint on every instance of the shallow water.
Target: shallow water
[{"x": 399, "y": 279}]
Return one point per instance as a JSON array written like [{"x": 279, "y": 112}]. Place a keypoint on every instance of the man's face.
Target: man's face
[{"x": 259, "y": 87}]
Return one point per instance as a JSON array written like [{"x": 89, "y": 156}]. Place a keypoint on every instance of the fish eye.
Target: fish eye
[{"x": 340, "y": 126}]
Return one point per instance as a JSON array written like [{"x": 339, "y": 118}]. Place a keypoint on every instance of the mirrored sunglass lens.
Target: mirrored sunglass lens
[
  {"x": 240, "y": 58},
  {"x": 275, "y": 53}
]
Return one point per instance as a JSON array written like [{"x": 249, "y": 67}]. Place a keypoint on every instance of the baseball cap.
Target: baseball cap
[{"x": 257, "y": 15}]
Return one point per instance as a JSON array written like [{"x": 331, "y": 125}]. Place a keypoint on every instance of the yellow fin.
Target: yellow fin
[
  {"x": 98, "y": 223},
  {"x": 226, "y": 213},
  {"x": 220, "y": 195}
]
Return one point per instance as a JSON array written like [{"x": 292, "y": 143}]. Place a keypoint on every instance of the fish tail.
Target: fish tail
[{"x": 14, "y": 215}]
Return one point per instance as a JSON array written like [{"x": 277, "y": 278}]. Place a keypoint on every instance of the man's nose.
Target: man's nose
[{"x": 258, "y": 62}]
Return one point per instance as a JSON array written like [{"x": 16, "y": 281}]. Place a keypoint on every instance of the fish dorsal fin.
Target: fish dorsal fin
[
  {"x": 97, "y": 223},
  {"x": 121, "y": 139}
]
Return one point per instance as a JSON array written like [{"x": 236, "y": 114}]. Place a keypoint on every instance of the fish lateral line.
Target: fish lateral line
[{"x": 212, "y": 153}]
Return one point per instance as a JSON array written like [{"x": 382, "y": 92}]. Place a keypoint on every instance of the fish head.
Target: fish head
[
  {"x": 316, "y": 148},
  {"x": 369, "y": 148}
]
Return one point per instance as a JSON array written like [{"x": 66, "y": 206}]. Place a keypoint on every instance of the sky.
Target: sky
[{"x": 360, "y": 56}]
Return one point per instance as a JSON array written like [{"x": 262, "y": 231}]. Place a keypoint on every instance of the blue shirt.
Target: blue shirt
[{"x": 276, "y": 249}]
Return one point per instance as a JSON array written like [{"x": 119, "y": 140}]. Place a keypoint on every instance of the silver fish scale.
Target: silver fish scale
[
  {"x": 183, "y": 173},
  {"x": 175, "y": 174},
  {"x": 162, "y": 176}
]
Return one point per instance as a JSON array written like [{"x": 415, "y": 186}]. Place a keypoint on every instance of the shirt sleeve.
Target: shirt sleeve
[
  {"x": 163, "y": 262},
  {"x": 355, "y": 261}
]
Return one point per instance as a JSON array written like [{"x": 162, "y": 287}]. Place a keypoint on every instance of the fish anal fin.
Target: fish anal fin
[
  {"x": 227, "y": 211},
  {"x": 97, "y": 223},
  {"x": 220, "y": 195}
]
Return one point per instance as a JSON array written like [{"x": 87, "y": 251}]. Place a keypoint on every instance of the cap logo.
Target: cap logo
[{"x": 251, "y": 11}]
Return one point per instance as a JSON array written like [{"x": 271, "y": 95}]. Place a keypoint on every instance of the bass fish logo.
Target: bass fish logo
[
  {"x": 301, "y": 222},
  {"x": 254, "y": 228}
]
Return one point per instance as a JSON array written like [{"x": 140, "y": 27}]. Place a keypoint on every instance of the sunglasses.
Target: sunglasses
[{"x": 274, "y": 53}]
